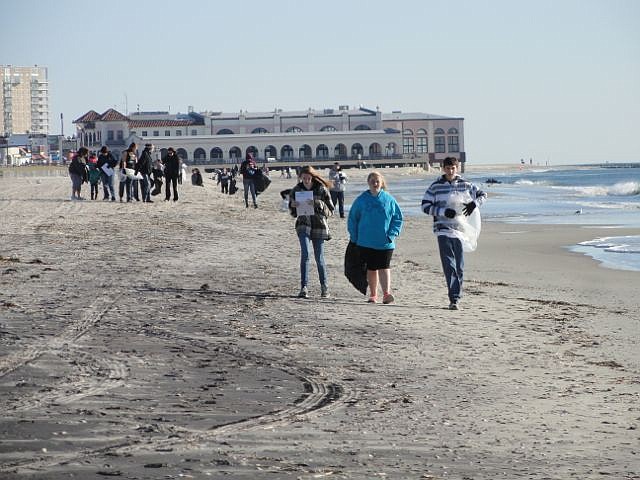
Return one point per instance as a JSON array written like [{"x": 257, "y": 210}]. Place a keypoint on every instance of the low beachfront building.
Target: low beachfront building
[
  {"x": 216, "y": 138},
  {"x": 435, "y": 136}
]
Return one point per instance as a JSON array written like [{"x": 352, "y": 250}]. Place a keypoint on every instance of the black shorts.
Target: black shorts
[{"x": 376, "y": 259}]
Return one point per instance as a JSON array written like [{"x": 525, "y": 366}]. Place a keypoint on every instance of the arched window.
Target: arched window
[
  {"x": 182, "y": 153},
  {"x": 259, "y": 130},
  {"x": 304, "y": 152},
  {"x": 407, "y": 145},
  {"x": 328, "y": 128},
  {"x": 286, "y": 152},
  {"x": 200, "y": 154},
  {"x": 270, "y": 152},
  {"x": 340, "y": 152},
  {"x": 407, "y": 132},
  {"x": 356, "y": 151},
  {"x": 322, "y": 151},
  {"x": 294, "y": 130},
  {"x": 375, "y": 150},
  {"x": 453, "y": 142},
  {"x": 452, "y": 131},
  {"x": 438, "y": 140},
  {"x": 224, "y": 131},
  {"x": 235, "y": 153},
  {"x": 216, "y": 153},
  {"x": 422, "y": 145},
  {"x": 363, "y": 127}
]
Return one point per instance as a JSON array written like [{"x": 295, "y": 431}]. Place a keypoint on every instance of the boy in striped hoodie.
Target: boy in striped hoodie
[{"x": 441, "y": 200}]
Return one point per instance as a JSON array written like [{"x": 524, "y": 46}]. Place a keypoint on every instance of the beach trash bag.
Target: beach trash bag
[
  {"x": 467, "y": 228},
  {"x": 262, "y": 182},
  {"x": 470, "y": 228},
  {"x": 355, "y": 269}
]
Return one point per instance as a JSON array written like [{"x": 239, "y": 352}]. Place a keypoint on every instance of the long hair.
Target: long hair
[
  {"x": 383, "y": 182},
  {"x": 314, "y": 174}
]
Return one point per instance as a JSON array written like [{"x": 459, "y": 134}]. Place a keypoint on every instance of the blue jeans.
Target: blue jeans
[
  {"x": 338, "y": 201},
  {"x": 125, "y": 186},
  {"x": 452, "y": 259},
  {"x": 249, "y": 186},
  {"x": 107, "y": 185},
  {"x": 145, "y": 187},
  {"x": 318, "y": 251}
]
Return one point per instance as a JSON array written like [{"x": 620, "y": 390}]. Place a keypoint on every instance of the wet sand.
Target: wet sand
[{"x": 164, "y": 340}]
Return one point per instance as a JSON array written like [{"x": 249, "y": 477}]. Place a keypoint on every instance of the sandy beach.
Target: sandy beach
[{"x": 164, "y": 340}]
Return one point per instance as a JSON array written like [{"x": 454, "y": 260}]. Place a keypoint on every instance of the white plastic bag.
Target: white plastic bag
[{"x": 468, "y": 228}]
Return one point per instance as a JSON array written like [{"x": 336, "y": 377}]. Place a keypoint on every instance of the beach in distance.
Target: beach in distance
[{"x": 165, "y": 340}]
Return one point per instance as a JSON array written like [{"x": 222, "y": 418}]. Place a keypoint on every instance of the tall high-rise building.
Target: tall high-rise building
[{"x": 24, "y": 100}]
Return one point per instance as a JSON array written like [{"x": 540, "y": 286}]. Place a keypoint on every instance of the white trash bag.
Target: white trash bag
[{"x": 467, "y": 227}]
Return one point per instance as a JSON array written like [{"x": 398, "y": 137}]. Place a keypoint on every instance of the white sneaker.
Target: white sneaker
[{"x": 304, "y": 293}]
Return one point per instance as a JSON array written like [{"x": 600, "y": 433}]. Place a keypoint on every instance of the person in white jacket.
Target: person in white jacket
[{"x": 338, "y": 180}]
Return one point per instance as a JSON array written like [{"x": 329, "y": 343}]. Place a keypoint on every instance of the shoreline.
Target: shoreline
[{"x": 165, "y": 339}]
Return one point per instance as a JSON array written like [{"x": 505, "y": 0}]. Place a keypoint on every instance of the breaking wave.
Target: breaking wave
[{"x": 622, "y": 189}]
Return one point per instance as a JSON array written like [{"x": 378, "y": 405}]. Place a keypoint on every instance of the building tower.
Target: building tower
[{"x": 24, "y": 100}]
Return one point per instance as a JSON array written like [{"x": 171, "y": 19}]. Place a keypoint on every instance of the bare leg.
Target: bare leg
[
  {"x": 385, "y": 279},
  {"x": 372, "y": 279}
]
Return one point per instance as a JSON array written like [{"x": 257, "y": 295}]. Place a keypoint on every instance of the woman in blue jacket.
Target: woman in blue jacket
[{"x": 375, "y": 220}]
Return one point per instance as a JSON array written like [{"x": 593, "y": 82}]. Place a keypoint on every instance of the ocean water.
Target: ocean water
[{"x": 580, "y": 195}]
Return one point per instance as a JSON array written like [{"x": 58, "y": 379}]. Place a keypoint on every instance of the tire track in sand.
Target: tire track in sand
[
  {"x": 320, "y": 396},
  {"x": 97, "y": 373}
]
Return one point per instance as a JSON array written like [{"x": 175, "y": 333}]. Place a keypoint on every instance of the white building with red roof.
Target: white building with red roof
[{"x": 289, "y": 136}]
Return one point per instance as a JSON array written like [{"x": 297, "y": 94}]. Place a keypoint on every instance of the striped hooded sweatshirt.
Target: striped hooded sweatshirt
[{"x": 443, "y": 194}]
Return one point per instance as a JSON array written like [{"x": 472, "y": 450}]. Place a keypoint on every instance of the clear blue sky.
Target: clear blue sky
[{"x": 556, "y": 80}]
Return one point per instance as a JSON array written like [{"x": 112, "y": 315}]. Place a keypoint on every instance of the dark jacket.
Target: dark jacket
[
  {"x": 145, "y": 163},
  {"x": 224, "y": 177},
  {"x": 171, "y": 165},
  {"x": 106, "y": 158},
  {"x": 249, "y": 170},
  {"x": 78, "y": 166}
]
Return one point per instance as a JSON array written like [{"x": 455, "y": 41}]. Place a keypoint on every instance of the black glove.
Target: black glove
[
  {"x": 449, "y": 213},
  {"x": 469, "y": 208}
]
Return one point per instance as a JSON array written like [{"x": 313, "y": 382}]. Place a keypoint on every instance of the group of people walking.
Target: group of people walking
[
  {"x": 137, "y": 174},
  {"x": 374, "y": 222}
]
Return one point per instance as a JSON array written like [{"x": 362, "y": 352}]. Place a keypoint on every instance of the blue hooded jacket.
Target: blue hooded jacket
[{"x": 375, "y": 222}]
